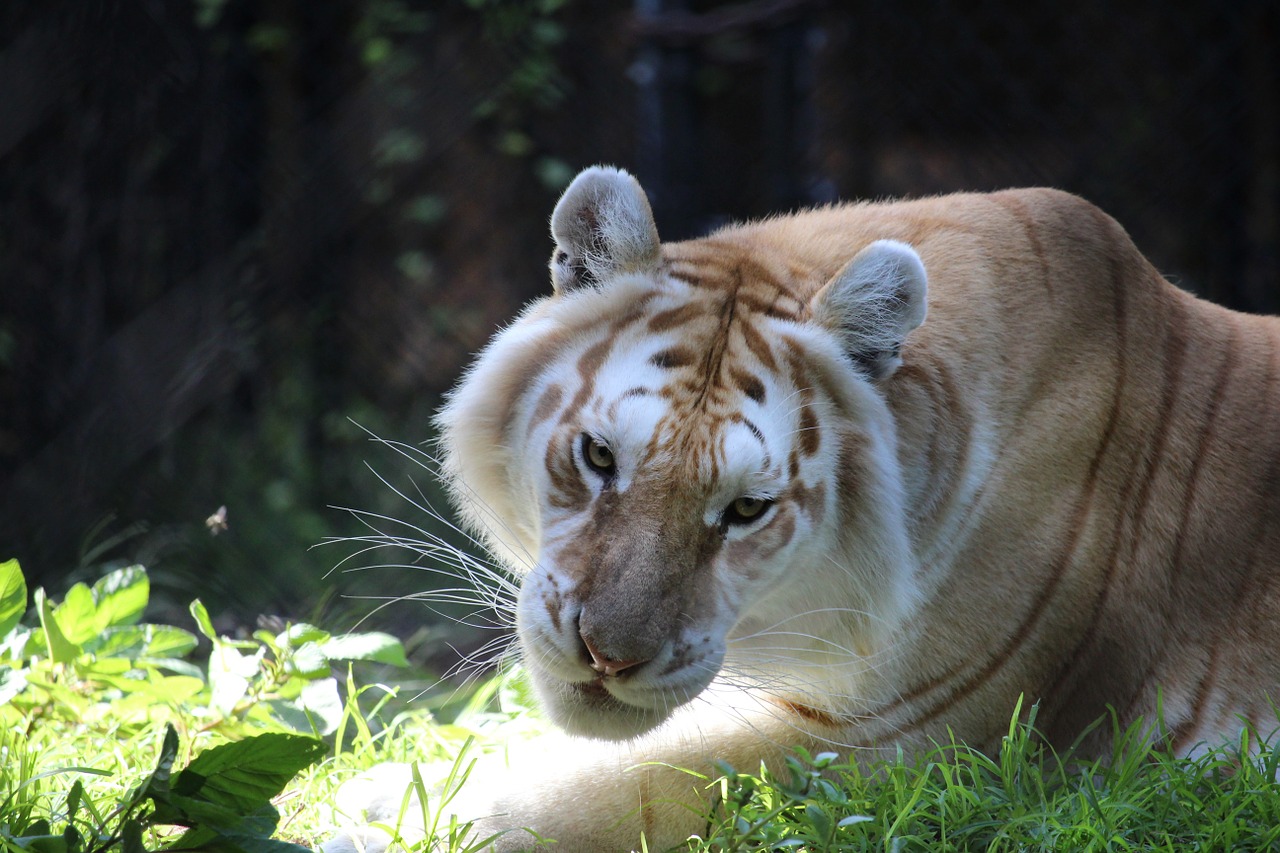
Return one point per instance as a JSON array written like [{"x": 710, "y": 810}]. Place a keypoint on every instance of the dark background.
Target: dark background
[{"x": 235, "y": 234}]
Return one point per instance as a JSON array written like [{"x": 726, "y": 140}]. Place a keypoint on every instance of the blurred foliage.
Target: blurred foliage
[{"x": 326, "y": 310}]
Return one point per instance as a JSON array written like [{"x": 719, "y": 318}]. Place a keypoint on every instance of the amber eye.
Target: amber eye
[
  {"x": 746, "y": 510},
  {"x": 598, "y": 456}
]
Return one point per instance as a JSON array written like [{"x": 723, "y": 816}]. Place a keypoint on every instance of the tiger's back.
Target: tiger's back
[{"x": 1097, "y": 460}]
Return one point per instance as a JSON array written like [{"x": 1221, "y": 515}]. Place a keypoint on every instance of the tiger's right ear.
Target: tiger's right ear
[{"x": 602, "y": 226}]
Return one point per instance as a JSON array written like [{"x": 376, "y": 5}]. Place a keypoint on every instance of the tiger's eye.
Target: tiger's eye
[
  {"x": 746, "y": 510},
  {"x": 598, "y": 455}
]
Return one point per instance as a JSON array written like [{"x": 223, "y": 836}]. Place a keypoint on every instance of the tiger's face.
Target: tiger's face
[{"x": 687, "y": 454}]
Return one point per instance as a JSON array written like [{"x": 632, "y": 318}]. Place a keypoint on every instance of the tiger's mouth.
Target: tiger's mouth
[
  {"x": 596, "y": 693},
  {"x": 590, "y": 709}
]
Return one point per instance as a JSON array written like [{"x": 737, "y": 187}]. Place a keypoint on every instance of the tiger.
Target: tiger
[{"x": 859, "y": 478}]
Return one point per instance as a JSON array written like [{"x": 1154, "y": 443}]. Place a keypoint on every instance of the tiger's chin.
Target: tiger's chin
[{"x": 591, "y": 709}]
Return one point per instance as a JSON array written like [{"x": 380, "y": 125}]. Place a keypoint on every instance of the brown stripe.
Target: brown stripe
[
  {"x": 589, "y": 364},
  {"x": 672, "y": 317},
  {"x": 954, "y": 409},
  {"x": 1250, "y": 599},
  {"x": 758, "y": 346},
  {"x": 756, "y": 431},
  {"x": 748, "y": 384},
  {"x": 1182, "y": 733},
  {"x": 570, "y": 491},
  {"x": 1137, "y": 511},
  {"x": 1079, "y": 519},
  {"x": 1207, "y": 436},
  {"x": 939, "y": 482},
  {"x": 546, "y": 405},
  {"x": 1174, "y": 359},
  {"x": 808, "y": 713},
  {"x": 716, "y": 352},
  {"x": 1015, "y": 207},
  {"x": 673, "y": 357},
  {"x": 810, "y": 433}
]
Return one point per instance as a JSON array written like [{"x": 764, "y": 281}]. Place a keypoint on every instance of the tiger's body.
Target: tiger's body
[{"x": 761, "y": 501}]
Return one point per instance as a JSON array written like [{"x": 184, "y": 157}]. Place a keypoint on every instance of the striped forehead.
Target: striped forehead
[
  {"x": 694, "y": 371},
  {"x": 703, "y": 353},
  {"x": 657, "y": 431}
]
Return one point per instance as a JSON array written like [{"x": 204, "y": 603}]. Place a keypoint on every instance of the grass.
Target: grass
[
  {"x": 1024, "y": 798},
  {"x": 114, "y": 737}
]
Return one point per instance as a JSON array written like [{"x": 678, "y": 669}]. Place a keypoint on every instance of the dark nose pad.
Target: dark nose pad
[{"x": 604, "y": 665}]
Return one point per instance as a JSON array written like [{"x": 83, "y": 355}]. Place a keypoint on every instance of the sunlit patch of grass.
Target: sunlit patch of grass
[{"x": 1025, "y": 797}]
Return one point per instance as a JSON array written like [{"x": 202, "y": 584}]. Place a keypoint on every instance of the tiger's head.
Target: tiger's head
[{"x": 686, "y": 452}]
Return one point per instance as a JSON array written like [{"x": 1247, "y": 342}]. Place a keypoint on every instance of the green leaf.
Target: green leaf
[
  {"x": 74, "y": 796},
  {"x": 131, "y": 837},
  {"x": 374, "y": 646},
  {"x": 91, "y": 668},
  {"x": 39, "y": 843},
  {"x": 171, "y": 689},
  {"x": 261, "y": 844},
  {"x": 182, "y": 810},
  {"x": 59, "y": 648},
  {"x": 121, "y": 597},
  {"x": 301, "y": 634},
  {"x": 121, "y": 642},
  {"x": 39, "y": 826},
  {"x": 74, "y": 842},
  {"x": 819, "y": 820},
  {"x": 156, "y": 786},
  {"x": 203, "y": 622},
  {"x": 308, "y": 661},
  {"x": 246, "y": 774},
  {"x": 199, "y": 838},
  {"x": 153, "y": 641},
  {"x": 854, "y": 819},
  {"x": 515, "y": 693},
  {"x": 317, "y": 709},
  {"x": 183, "y": 668},
  {"x": 289, "y": 715},
  {"x": 165, "y": 641},
  {"x": 215, "y": 841},
  {"x": 13, "y": 595},
  {"x": 77, "y": 616}
]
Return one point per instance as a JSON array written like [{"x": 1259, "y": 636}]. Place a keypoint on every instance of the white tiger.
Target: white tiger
[{"x": 759, "y": 501}]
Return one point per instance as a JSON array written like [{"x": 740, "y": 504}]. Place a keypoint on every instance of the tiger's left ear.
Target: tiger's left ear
[
  {"x": 602, "y": 226},
  {"x": 873, "y": 303}
]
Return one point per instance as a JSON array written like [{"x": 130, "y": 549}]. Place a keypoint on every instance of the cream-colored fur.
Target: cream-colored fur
[{"x": 997, "y": 455}]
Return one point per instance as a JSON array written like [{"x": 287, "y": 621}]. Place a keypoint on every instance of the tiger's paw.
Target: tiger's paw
[
  {"x": 374, "y": 809},
  {"x": 380, "y": 810}
]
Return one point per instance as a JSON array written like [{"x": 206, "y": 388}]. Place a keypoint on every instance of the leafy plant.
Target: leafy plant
[
  {"x": 87, "y": 679},
  {"x": 222, "y": 800},
  {"x": 91, "y": 656},
  {"x": 93, "y": 640},
  {"x": 285, "y": 678}
]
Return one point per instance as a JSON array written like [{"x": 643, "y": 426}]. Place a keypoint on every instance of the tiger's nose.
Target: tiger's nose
[{"x": 605, "y": 665}]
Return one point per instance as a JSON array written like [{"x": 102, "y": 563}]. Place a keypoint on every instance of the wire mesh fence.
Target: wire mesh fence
[{"x": 226, "y": 214}]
